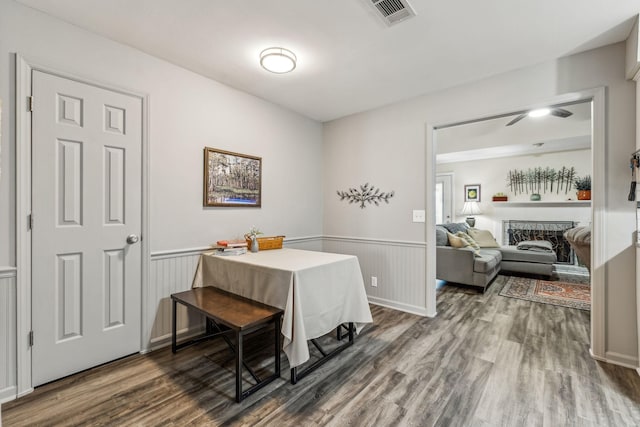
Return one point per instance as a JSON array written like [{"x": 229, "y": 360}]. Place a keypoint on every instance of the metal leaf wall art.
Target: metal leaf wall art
[
  {"x": 366, "y": 194},
  {"x": 538, "y": 180}
]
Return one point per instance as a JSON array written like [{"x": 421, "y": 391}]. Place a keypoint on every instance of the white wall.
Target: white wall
[
  {"x": 492, "y": 174},
  {"x": 386, "y": 147},
  {"x": 187, "y": 113}
]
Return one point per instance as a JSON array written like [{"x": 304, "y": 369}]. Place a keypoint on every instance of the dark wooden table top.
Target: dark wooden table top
[{"x": 233, "y": 310}]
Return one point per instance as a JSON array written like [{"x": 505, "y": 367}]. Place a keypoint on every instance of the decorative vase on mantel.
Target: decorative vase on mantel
[{"x": 584, "y": 194}]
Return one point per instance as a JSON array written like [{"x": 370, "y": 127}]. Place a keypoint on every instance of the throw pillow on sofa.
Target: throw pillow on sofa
[
  {"x": 484, "y": 238},
  {"x": 441, "y": 236},
  {"x": 470, "y": 242},
  {"x": 454, "y": 227},
  {"x": 456, "y": 241}
]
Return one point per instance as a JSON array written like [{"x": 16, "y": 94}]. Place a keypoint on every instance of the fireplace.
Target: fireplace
[{"x": 516, "y": 231}]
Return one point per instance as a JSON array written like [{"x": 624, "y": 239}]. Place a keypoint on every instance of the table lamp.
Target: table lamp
[{"x": 471, "y": 208}]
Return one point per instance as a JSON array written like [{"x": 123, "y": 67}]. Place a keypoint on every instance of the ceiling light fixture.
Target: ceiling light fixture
[
  {"x": 540, "y": 112},
  {"x": 278, "y": 60}
]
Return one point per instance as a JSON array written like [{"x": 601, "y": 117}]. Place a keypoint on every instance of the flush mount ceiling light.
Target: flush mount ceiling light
[{"x": 278, "y": 60}]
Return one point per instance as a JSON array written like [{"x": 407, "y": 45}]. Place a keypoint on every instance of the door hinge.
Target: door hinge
[
  {"x": 30, "y": 103},
  {"x": 30, "y": 221},
  {"x": 30, "y": 338}
]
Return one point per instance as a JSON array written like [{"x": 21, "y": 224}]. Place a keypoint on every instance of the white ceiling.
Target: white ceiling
[
  {"x": 348, "y": 61},
  {"x": 491, "y": 138}
]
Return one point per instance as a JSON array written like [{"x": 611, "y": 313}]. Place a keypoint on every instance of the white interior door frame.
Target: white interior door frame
[
  {"x": 24, "y": 68},
  {"x": 598, "y": 213},
  {"x": 447, "y": 179}
]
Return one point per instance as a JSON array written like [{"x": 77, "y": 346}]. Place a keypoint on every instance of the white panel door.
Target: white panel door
[{"x": 86, "y": 201}]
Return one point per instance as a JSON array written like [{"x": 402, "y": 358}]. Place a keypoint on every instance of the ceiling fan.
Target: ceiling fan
[{"x": 558, "y": 112}]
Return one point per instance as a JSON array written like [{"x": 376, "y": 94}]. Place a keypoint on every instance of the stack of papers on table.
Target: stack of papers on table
[{"x": 230, "y": 251}]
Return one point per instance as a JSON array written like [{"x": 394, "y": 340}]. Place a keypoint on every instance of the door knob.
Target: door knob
[{"x": 132, "y": 238}]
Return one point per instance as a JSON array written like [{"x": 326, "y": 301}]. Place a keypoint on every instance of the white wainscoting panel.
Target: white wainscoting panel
[
  {"x": 8, "y": 367},
  {"x": 398, "y": 266},
  {"x": 171, "y": 272}
]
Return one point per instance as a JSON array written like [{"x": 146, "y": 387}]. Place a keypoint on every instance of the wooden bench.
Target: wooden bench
[{"x": 241, "y": 316}]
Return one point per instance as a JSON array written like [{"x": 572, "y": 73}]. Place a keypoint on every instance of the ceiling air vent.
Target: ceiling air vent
[{"x": 393, "y": 11}]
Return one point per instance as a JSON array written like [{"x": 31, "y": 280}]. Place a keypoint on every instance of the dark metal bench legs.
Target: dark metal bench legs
[
  {"x": 297, "y": 374},
  {"x": 259, "y": 383},
  {"x": 237, "y": 350},
  {"x": 239, "y": 366}
]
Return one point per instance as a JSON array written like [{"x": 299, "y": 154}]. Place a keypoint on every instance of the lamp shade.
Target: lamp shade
[{"x": 471, "y": 208}]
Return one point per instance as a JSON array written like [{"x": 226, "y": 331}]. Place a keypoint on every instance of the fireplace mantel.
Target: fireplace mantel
[{"x": 542, "y": 204}]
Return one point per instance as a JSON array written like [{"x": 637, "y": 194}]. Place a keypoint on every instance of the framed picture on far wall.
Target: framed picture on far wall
[
  {"x": 232, "y": 179},
  {"x": 472, "y": 193}
]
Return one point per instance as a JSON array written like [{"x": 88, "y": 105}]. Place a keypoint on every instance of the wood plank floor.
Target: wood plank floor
[{"x": 485, "y": 360}]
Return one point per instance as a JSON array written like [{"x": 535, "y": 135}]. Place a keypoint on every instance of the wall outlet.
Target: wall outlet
[
  {"x": 374, "y": 281},
  {"x": 418, "y": 216}
]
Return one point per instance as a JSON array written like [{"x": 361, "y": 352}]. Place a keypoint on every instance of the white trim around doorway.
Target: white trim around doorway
[
  {"x": 598, "y": 208},
  {"x": 24, "y": 68}
]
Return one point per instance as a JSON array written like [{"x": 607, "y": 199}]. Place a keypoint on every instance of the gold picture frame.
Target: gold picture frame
[{"x": 231, "y": 179}]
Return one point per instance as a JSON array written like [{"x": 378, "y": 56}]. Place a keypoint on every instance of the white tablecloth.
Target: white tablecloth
[{"x": 317, "y": 290}]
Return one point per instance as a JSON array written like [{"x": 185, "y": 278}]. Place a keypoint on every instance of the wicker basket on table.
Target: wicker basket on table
[{"x": 265, "y": 243}]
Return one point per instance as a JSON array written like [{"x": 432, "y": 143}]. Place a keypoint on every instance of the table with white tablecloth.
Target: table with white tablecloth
[{"x": 318, "y": 291}]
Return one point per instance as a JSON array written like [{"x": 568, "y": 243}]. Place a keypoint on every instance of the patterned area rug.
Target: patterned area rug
[{"x": 565, "y": 294}]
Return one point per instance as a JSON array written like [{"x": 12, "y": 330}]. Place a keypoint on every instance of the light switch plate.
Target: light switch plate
[{"x": 418, "y": 216}]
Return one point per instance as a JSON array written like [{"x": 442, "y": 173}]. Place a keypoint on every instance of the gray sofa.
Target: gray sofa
[{"x": 463, "y": 265}]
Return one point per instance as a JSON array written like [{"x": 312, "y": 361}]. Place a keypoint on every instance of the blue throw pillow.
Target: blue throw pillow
[
  {"x": 455, "y": 227},
  {"x": 441, "y": 236}
]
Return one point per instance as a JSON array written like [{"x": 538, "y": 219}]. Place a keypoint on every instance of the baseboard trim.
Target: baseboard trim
[
  {"x": 25, "y": 392},
  {"x": 165, "y": 340},
  {"x": 11, "y": 393},
  {"x": 618, "y": 359},
  {"x": 407, "y": 308},
  {"x": 8, "y": 394},
  {"x": 622, "y": 359}
]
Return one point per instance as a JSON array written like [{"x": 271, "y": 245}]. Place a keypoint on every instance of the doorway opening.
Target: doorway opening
[{"x": 594, "y": 103}]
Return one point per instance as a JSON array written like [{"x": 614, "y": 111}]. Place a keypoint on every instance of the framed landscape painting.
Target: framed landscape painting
[{"x": 232, "y": 179}]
